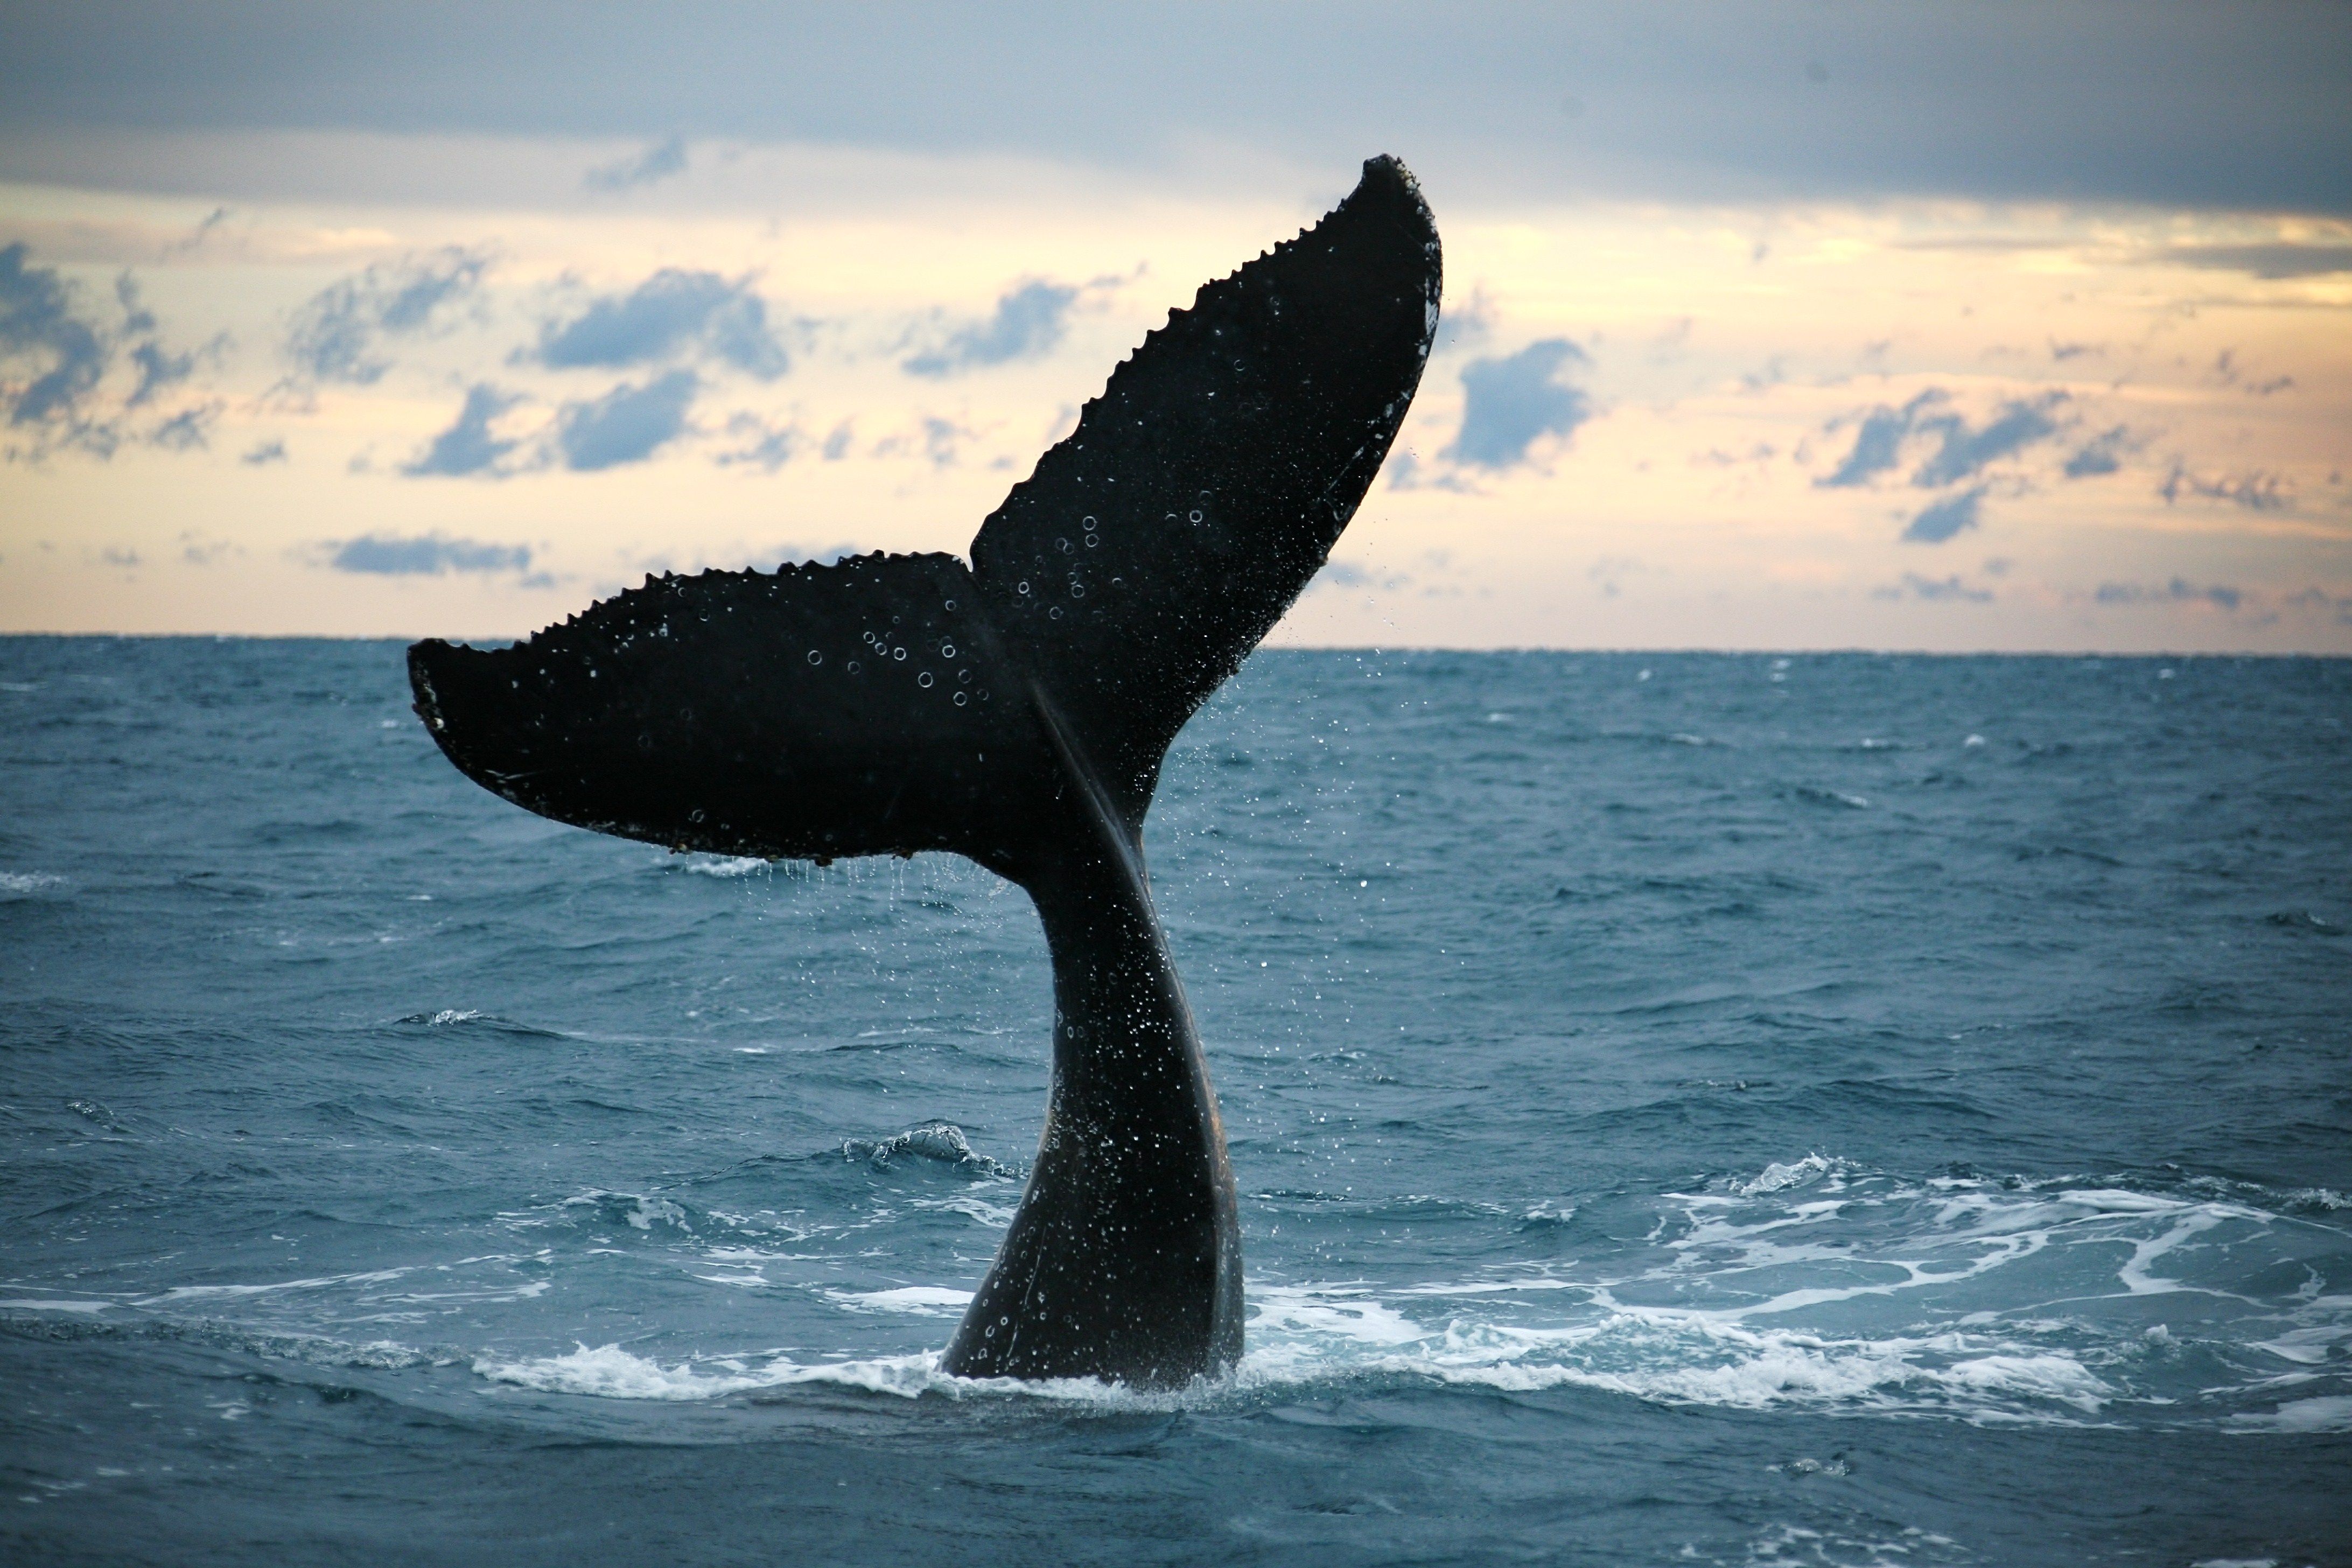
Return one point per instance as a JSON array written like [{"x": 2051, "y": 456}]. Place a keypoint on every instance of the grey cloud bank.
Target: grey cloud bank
[
  {"x": 2271, "y": 262},
  {"x": 2177, "y": 104}
]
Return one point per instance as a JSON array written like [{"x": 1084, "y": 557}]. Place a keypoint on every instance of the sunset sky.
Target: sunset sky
[{"x": 1823, "y": 325}]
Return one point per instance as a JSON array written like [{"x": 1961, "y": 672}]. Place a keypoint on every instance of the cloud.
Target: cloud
[
  {"x": 2255, "y": 489},
  {"x": 1465, "y": 323},
  {"x": 2102, "y": 454},
  {"x": 766, "y": 447},
  {"x": 198, "y": 551},
  {"x": 1934, "y": 590},
  {"x": 157, "y": 370},
  {"x": 1964, "y": 452},
  {"x": 1028, "y": 323},
  {"x": 671, "y": 310},
  {"x": 62, "y": 356},
  {"x": 2276, "y": 260},
  {"x": 658, "y": 161},
  {"x": 338, "y": 335},
  {"x": 1941, "y": 519},
  {"x": 1878, "y": 443},
  {"x": 1717, "y": 458},
  {"x": 941, "y": 439},
  {"x": 2320, "y": 599},
  {"x": 1608, "y": 573},
  {"x": 37, "y": 322},
  {"x": 201, "y": 233},
  {"x": 627, "y": 424},
  {"x": 1509, "y": 404},
  {"x": 431, "y": 554},
  {"x": 468, "y": 447},
  {"x": 836, "y": 445},
  {"x": 264, "y": 453},
  {"x": 190, "y": 430},
  {"x": 1347, "y": 574},
  {"x": 2179, "y": 591}
]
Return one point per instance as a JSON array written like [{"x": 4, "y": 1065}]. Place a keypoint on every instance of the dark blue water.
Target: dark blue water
[{"x": 1721, "y": 1109}]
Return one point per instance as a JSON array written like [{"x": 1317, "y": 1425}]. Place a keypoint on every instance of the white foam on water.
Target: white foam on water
[
  {"x": 1811, "y": 1284},
  {"x": 179, "y": 1293},
  {"x": 610, "y": 1371},
  {"x": 34, "y": 1306},
  {"x": 1307, "y": 1333},
  {"x": 1777, "y": 1177},
  {"x": 923, "y": 1300},
  {"x": 29, "y": 881},
  {"x": 723, "y": 864},
  {"x": 996, "y": 1216},
  {"x": 1347, "y": 1311},
  {"x": 2329, "y": 1412}
]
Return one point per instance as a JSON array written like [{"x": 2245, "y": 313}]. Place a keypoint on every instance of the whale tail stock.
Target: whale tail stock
[{"x": 1015, "y": 711}]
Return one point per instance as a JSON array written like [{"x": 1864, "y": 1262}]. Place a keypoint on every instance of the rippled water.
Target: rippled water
[{"x": 1691, "y": 1108}]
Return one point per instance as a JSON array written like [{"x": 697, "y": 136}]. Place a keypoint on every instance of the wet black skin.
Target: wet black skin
[{"x": 1016, "y": 711}]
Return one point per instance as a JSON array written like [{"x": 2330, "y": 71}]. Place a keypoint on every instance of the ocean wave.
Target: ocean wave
[
  {"x": 939, "y": 1143},
  {"x": 612, "y": 1372},
  {"x": 24, "y": 884},
  {"x": 1811, "y": 1284},
  {"x": 1324, "y": 1341},
  {"x": 600, "y": 1209},
  {"x": 921, "y": 1301},
  {"x": 473, "y": 1019},
  {"x": 79, "y": 1321},
  {"x": 1778, "y": 1177},
  {"x": 1307, "y": 1333},
  {"x": 2330, "y": 1413}
]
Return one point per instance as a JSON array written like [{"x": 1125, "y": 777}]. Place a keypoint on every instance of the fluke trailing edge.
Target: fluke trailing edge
[{"x": 1017, "y": 711}]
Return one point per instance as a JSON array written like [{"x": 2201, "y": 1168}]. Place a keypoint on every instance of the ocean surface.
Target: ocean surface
[{"x": 1687, "y": 1109}]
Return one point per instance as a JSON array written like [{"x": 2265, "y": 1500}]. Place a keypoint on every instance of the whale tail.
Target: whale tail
[
  {"x": 896, "y": 703},
  {"x": 1016, "y": 711}
]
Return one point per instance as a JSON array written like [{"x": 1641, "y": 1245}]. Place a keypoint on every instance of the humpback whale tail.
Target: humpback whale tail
[{"x": 1017, "y": 711}]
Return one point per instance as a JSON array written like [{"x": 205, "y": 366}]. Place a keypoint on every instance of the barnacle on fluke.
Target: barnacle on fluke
[{"x": 1017, "y": 711}]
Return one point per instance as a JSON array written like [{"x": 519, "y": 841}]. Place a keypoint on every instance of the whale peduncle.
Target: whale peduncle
[{"x": 1124, "y": 1258}]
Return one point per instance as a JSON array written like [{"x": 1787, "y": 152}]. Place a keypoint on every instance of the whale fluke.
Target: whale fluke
[{"x": 1017, "y": 711}]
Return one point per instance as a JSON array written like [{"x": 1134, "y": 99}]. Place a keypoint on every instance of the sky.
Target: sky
[{"x": 1962, "y": 327}]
